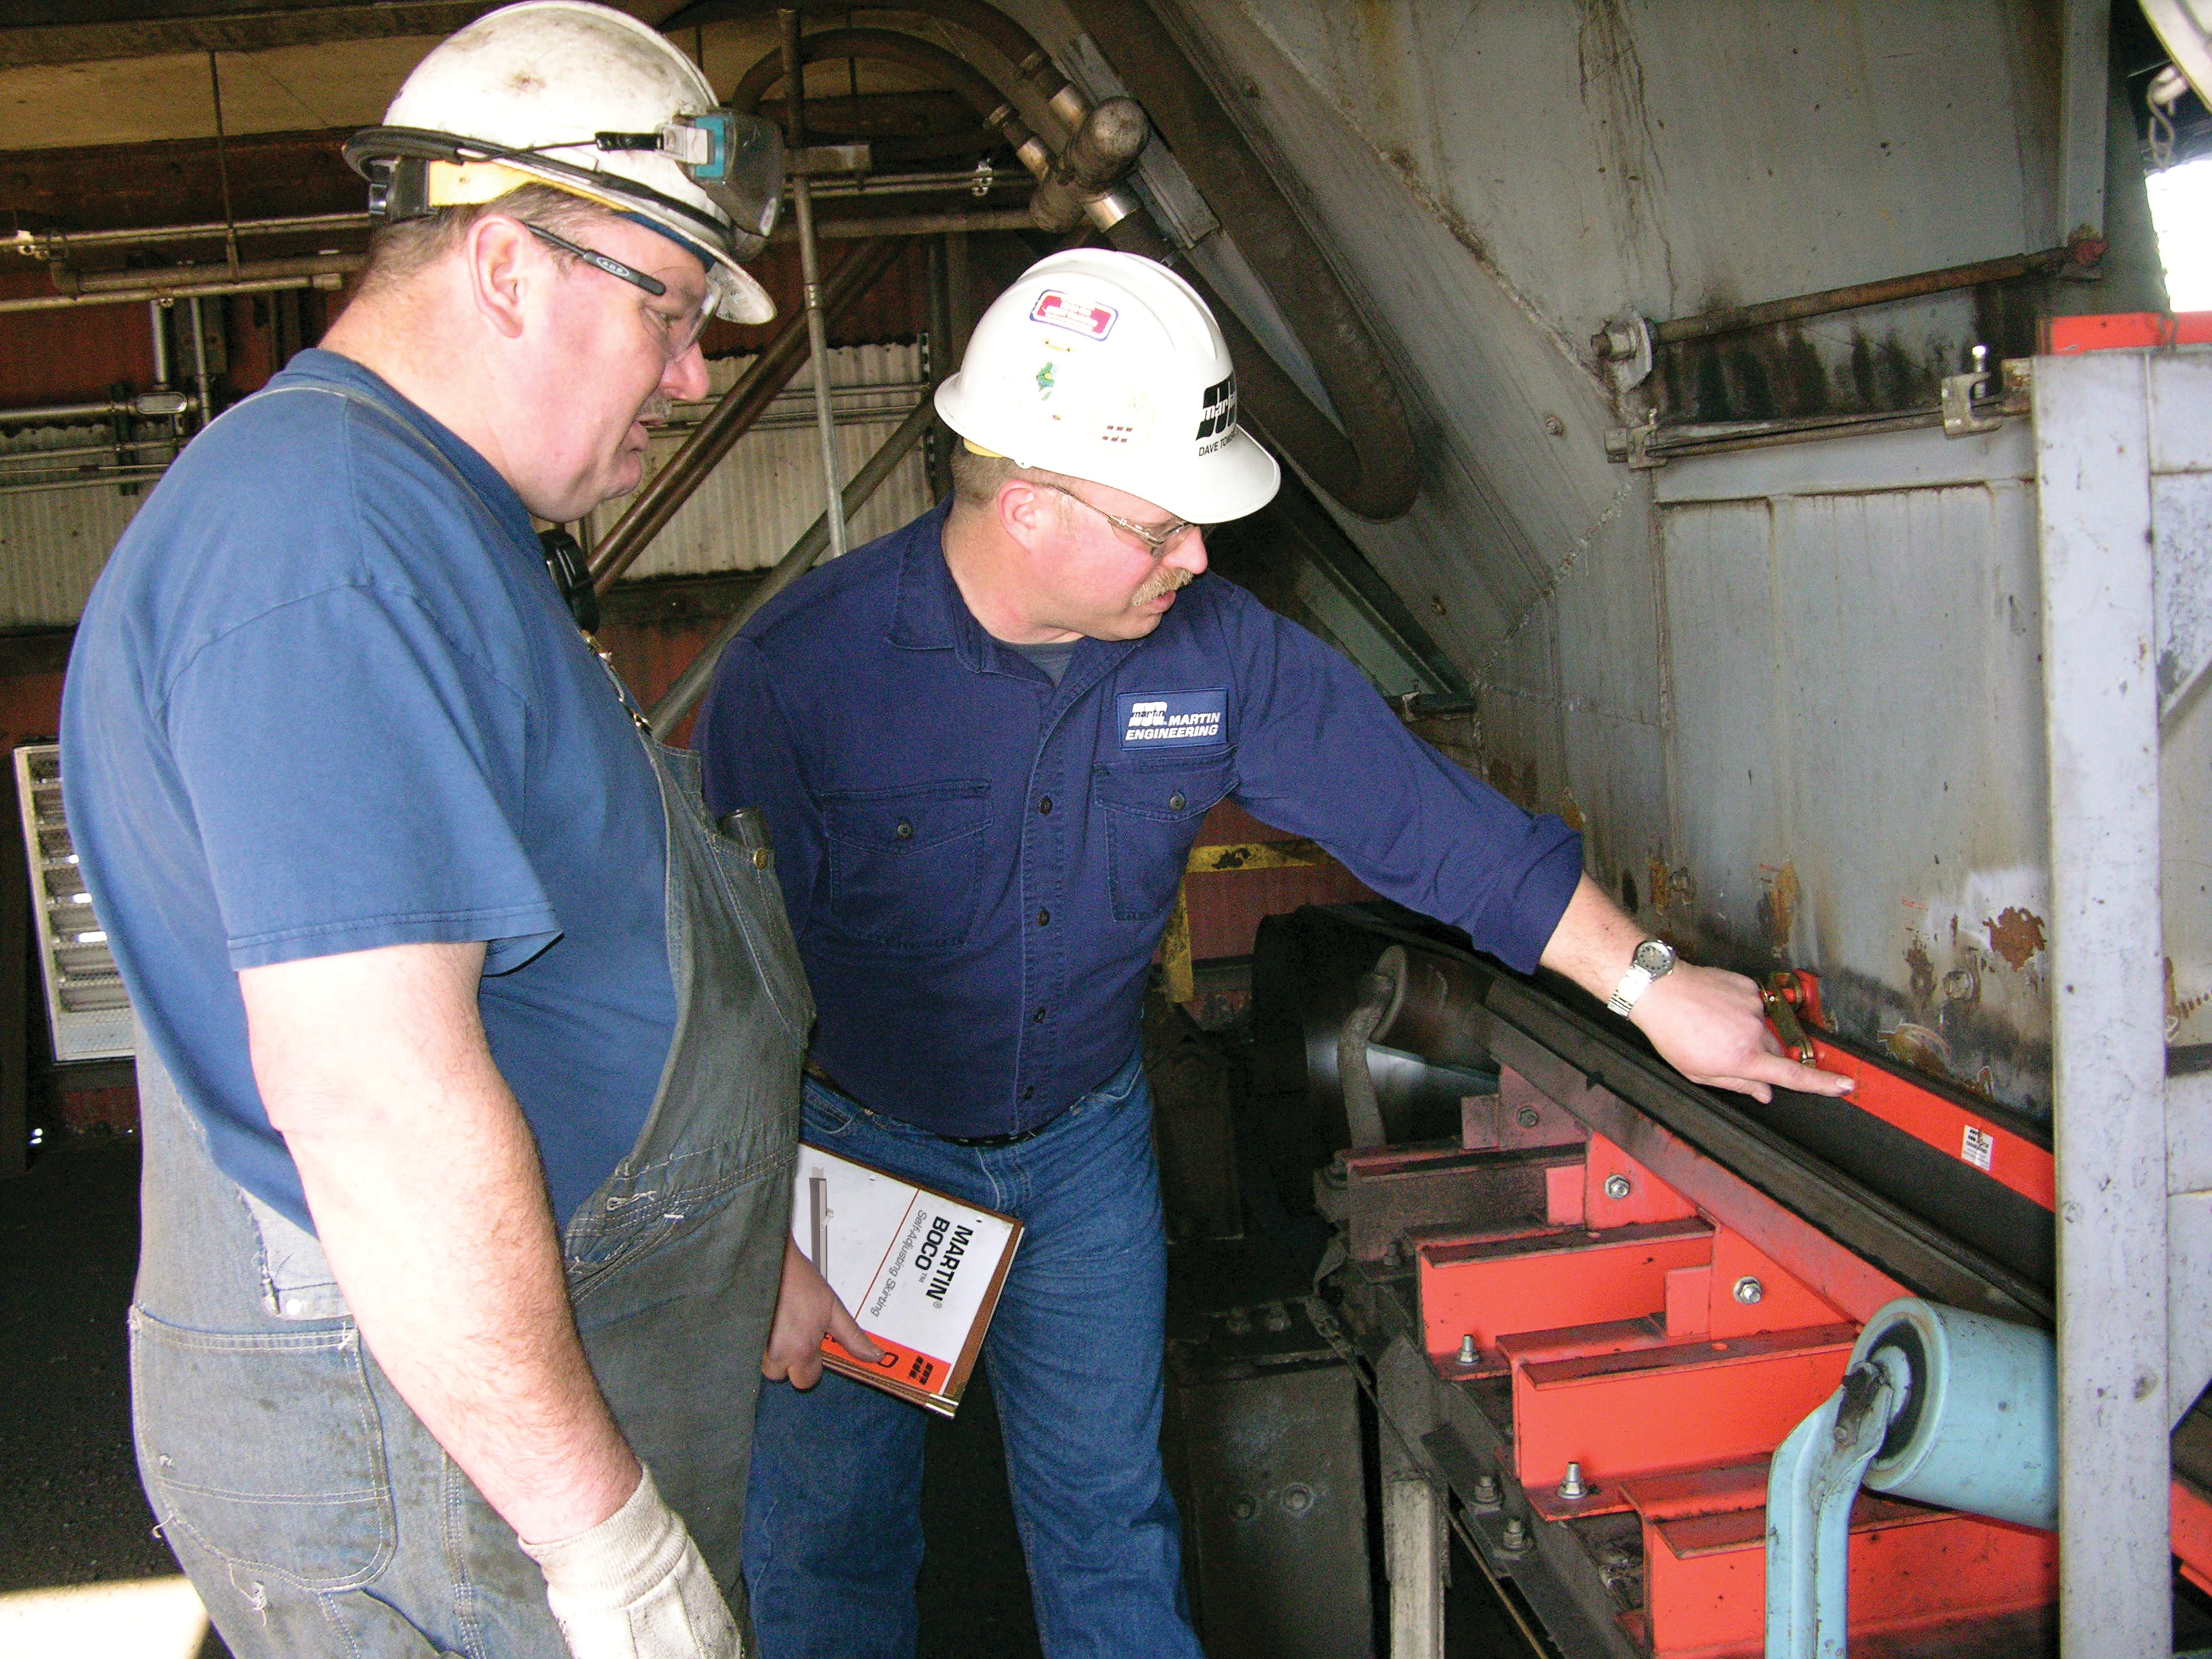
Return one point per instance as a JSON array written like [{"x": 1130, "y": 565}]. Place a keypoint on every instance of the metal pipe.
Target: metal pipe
[
  {"x": 157, "y": 315},
  {"x": 809, "y": 265},
  {"x": 691, "y": 683},
  {"x": 911, "y": 224},
  {"x": 45, "y": 456},
  {"x": 183, "y": 278},
  {"x": 740, "y": 406},
  {"x": 1733, "y": 319},
  {"x": 51, "y": 245},
  {"x": 199, "y": 358},
  {"x": 328, "y": 283},
  {"x": 119, "y": 476},
  {"x": 51, "y": 413}
]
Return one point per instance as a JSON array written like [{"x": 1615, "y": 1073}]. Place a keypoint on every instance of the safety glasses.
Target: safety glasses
[
  {"x": 677, "y": 331},
  {"x": 1157, "y": 540}
]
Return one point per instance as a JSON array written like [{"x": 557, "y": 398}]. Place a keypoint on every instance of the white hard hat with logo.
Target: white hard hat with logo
[
  {"x": 1109, "y": 366},
  {"x": 593, "y": 102}
]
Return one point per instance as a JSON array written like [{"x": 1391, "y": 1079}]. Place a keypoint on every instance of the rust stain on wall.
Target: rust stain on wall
[
  {"x": 2015, "y": 935},
  {"x": 1777, "y": 906},
  {"x": 1922, "y": 969},
  {"x": 1920, "y": 1047}
]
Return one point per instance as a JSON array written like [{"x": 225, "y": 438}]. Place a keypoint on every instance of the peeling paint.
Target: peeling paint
[
  {"x": 1570, "y": 812},
  {"x": 2015, "y": 935},
  {"x": 1920, "y": 1048}
]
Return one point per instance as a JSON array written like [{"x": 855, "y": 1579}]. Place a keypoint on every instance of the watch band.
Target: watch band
[
  {"x": 1633, "y": 984},
  {"x": 1652, "y": 960}
]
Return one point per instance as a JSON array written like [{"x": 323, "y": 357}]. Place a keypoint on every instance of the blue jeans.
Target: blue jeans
[{"x": 832, "y": 1525}]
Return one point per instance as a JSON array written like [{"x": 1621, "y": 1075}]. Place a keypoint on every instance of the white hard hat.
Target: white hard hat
[
  {"x": 1109, "y": 366},
  {"x": 593, "y": 102}
]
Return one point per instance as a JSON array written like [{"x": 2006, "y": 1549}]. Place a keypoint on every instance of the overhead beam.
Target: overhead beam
[{"x": 232, "y": 28}]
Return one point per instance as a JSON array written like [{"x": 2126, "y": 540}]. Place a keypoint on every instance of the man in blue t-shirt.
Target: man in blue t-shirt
[
  {"x": 469, "y": 1051},
  {"x": 984, "y": 745}
]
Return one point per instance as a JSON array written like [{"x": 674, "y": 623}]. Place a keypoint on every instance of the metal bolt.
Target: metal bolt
[
  {"x": 1527, "y": 1115},
  {"x": 1467, "y": 1349},
  {"x": 1571, "y": 1484},
  {"x": 1275, "y": 1317},
  {"x": 1749, "y": 1290},
  {"x": 1616, "y": 1187},
  {"x": 1486, "y": 1487},
  {"x": 1298, "y": 1499},
  {"x": 1244, "y": 1508},
  {"x": 1516, "y": 1538},
  {"x": 1238, "y": 1322}
]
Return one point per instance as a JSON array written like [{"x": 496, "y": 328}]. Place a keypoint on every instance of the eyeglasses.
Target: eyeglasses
[
  {"x": 1157, "y": 540},
  {"x": 679, "y": 331}
]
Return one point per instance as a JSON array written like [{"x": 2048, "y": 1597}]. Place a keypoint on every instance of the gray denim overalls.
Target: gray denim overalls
[{"x": 311, "y": 1509}]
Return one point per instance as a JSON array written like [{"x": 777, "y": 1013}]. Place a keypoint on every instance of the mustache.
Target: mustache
[
  {"x": 656, "y": 411},
  {"x": 1165, "y": 580}
]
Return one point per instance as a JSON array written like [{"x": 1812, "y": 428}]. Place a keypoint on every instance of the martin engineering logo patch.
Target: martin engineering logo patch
[
  {"x": 1073, "y": 313},
  {"x": 1173, "y": 720}
]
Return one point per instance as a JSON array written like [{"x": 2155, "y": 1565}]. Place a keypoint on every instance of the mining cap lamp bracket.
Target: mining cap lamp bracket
[{"x": 737, "y": 161}]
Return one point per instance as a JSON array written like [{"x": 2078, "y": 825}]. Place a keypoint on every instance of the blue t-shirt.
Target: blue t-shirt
[
  {"x": 324, "y": 698},
  {"x": 979, "y": 861}
]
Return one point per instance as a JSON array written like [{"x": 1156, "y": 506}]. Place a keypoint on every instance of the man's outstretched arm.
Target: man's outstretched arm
[{"x": 1705, "y": 1021}]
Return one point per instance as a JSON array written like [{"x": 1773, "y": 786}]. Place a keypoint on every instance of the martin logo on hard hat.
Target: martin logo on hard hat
[
  {"x": 592, "y": 102},
  {"x": 1083, "y": 318},
  {"x": 1108, "y": 367}
]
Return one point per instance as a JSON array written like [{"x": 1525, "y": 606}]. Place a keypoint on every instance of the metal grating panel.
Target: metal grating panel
[
  {"x": 86, "y": 1004},
  {"x": 747, "y": 512}
]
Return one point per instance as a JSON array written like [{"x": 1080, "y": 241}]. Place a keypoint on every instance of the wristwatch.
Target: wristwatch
[{"x": 1654, "y": 959}]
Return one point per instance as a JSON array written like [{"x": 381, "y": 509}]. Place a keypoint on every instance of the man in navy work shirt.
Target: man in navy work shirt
[
  {"x": 984, "y": 745},
  {"x": 469, "y": 1058}
]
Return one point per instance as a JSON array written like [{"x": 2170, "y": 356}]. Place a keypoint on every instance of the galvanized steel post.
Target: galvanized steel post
[
  {"x": 2100, "y": 711},
  {"x": 809, "y": 265}
]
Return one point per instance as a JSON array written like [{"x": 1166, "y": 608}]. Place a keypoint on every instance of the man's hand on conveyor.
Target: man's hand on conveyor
[
  {"x": 806, "y": 1310},
  {"x": 1706, "y": 1023},
  {"x": 1709, "y": 1025}
]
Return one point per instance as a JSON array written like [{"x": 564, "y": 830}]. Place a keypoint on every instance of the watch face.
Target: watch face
[{"x": 1654, "y": 956}]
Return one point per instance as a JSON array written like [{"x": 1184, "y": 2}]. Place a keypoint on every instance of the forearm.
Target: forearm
[
  {"x": 424, "y": 1186},
  {"x": 1593, "y": 941}
]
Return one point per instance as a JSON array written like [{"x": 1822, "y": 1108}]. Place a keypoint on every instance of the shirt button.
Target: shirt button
[
  {"x": 1044, "y": 918},
  {"x": 1044, "y": 804},
  {"x": 905, "y": 830},
  {"x": 1176, "y": 802},
  {"x": 1037, "y": 1018}
]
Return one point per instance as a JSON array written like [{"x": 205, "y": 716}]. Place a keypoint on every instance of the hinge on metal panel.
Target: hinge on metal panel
[
  {"x": 1632, "y": 445},
  {"x": 1966, "y": 410}
]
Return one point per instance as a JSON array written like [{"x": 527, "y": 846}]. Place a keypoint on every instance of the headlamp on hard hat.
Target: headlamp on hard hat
[{"x": 737, "y": 160}]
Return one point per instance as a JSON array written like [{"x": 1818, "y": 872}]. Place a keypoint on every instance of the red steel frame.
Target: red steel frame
[{"x": 1664, "y": 1334}]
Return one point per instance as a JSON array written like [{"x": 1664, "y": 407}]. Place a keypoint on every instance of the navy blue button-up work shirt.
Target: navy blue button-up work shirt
[{"x": 978, "y": 864}]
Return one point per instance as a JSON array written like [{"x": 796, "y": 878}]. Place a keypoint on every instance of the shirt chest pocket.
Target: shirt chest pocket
[
  {"x": 906, "y": 865},
  {"x": 1152, "y": 814}
]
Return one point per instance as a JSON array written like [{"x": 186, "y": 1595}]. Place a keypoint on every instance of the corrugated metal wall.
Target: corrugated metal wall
[
  {"x": 761, "y": 499},
  {"x": 766, "y": 492}
]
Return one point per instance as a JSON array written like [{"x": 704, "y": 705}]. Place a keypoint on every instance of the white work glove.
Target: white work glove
[{"x": 635, "y": 1587}]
